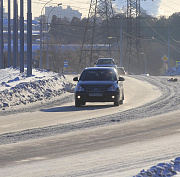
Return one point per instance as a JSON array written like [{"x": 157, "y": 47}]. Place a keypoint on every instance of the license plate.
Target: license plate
[{"x": 95, "y": 94}]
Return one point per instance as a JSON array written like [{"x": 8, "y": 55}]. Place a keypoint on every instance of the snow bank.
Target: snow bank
[
  {"x": 162, "y": 169},
  {"x": 17, "y": 89},
  {"x": 173, "y": 71}
]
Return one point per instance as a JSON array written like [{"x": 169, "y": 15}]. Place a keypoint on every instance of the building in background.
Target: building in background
[{"x": 69, "y": 13}]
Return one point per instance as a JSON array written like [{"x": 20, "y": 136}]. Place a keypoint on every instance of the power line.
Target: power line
[
  {"x": 165, "y": 40},
  {"x": 165, "y": 27},
  {"x": 156, "y": 31},
  {"x": 174, "y": 39},
  {"x": 66, "y": 32}
]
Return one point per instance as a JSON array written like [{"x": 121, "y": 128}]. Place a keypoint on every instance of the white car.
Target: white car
[
  {"x": 121, "y": 71},
  {"x": 105, "y": 62}
]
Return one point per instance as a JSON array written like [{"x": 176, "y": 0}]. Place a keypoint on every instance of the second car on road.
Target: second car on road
[{"x": 106, "y": 62}]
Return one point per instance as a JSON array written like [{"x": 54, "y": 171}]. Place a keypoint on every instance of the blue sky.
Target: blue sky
[
  {"x": 156, "y": 7},
  {"x": 161, "y": 7}
]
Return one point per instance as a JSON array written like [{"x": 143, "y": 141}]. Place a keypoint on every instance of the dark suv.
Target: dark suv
[{"x": 99, "y": 84}]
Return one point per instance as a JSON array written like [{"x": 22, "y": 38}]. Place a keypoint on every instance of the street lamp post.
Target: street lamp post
[
  {"x": 145, "y": 57},
  {"x": 48, "y": 35},
  {"x": 15, "y": 35},
  {"x": 22, "y": 36},
  {"x": 1, "y": 35},
  {"x": 29, "y": 39},
  {"x": 41, "y": 35},
  {"x": 145, "y": 66},
  {"x": 9, "y": 33},
  {"x": 120, "y": 63},
  {"x": 168, "y": 48}
]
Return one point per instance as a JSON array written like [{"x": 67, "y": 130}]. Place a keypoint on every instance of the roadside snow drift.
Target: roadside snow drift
[
  {"x": 162, "y": 169},
  {"x": 173, "y": 71},
  {"x": 17, "y": 89}
]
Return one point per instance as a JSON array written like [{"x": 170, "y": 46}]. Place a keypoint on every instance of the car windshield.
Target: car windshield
[
  {"x": 106, "y": 61},
  {"x": 98, "y": 75}
]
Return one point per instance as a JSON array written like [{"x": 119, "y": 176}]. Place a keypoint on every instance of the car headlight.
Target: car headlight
[
  {"x": 79, "y": 88},
  {"x": 113, "y": 87}
]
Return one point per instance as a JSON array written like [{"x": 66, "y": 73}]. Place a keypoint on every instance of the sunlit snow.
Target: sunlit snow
[{"x": 18, "y": 89}]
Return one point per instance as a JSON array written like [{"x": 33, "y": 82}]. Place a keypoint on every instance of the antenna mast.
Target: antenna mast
[
  {"x": 133, "y": 61},
  {"x": 100, "y": 36}
]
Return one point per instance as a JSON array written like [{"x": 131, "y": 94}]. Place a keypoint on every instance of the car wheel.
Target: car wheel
[
  {"x": 77, "y": 103},
  {"x": 121, "y": 102},
  {"x": 116, "y": 103},
  {"x": 83, "y": 103},
  {"x": 123, "y": 94}
]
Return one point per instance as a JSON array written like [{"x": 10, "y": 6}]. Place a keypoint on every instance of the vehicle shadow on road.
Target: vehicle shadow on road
[{"x": 73, "y": 108}]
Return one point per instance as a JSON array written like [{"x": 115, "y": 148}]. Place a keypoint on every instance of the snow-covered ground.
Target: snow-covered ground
[
  {"x": 19, "y": 91},
  {"x": 173, "y": 71},
  {"x": 162, "y": 169}
]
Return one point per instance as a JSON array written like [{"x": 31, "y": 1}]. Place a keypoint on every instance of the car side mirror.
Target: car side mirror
[
  {"x": 75, "y": 79},
  {"x": 121, "y": 79}
]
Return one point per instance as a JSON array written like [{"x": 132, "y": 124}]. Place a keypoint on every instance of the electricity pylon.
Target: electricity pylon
[
  {"x": 133, "y": 61},
  {"x": 100, "y": 36}
]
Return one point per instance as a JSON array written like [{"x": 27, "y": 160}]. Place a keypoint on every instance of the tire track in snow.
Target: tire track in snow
[{"x": 168, "y": 101}]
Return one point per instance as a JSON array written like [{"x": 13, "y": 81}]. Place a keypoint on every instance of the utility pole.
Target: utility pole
[
  {"x": 41, "y": 31},
  {"x": 48, "y": 36},
  {"x": 120, "y": 63},
  {"x": 21, "y": 36},
  {"x": 168, "y": 48},
  {"x": 9, "y": 33},
  {"x": 15, "y": 37},
  {"x": 1, "y": 36},
  {"x": 29, "y": 40}
]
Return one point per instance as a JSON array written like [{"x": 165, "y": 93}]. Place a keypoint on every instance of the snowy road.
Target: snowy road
[
  {"x": 68, "y": 113},
  {"x": 97, "y": 139}
]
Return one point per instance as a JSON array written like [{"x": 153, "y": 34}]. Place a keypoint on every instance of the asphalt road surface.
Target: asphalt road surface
[{"x": 97, "y": 139}]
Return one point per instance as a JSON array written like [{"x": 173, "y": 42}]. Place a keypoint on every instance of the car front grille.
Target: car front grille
[{"x": 95, "y": 89}]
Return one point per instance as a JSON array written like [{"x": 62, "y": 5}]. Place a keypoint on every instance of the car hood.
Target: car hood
[{"x": 97, "y": 83}]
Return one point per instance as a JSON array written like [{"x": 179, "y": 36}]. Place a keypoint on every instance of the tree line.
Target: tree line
[{"x": 154, "y": 39}]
